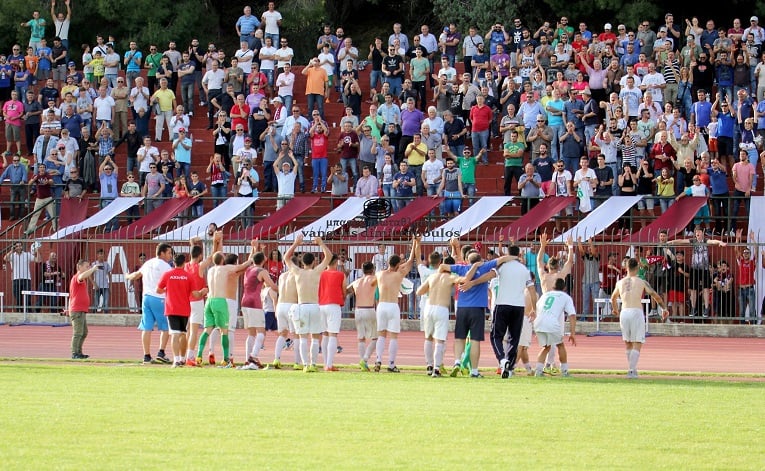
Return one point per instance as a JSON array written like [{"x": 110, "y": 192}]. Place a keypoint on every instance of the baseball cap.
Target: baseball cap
[
  {"x": 754, "y": 18},
  {"x": 276, "y": 99},
  {"x": 586, "y": 91},
  {"x": 663, "y": 29},
  {"x": 247, "y": 139},
  {"x": 607, "y": 26},
  {"x": 181, "y": 129},
  {"x": 71, "y": 64}
]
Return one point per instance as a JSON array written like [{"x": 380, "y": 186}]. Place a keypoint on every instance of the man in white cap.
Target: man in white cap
[
  {"x": 607, "y": 36},
  {"x": 280, "y": 114},
  {"x": 756, "y": 30}
]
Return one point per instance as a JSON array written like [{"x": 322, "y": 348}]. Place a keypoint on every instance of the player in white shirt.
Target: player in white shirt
[
  {"x": 548, "y": 325},
  {"x": 425, "y": 271},
  {"x": 153, "y": 303}
]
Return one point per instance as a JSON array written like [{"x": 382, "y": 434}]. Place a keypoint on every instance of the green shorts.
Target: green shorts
[{"x": 216, "y": 313}]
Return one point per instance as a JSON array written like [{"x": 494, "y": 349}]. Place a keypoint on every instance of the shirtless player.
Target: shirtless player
[
  {"x": 286, "y": 302},
  {"x": 439, "y": 288},
  {"x": 366, "y": 322},
  {"x": 306, "y": 315},
  {"x": 222, "y": 283},
  {"x": 388, "y": 311},
  {"x": 631, "y": 289},
  {"x": 547, "y": 281}
]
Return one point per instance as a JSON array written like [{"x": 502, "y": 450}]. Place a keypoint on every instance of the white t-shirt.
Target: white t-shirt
[
  {"x": 286, "y": 183},
  {"x": 214, "y": 79},
  {"x": 61, "y": 28},
  {"x": 284, "y": 55},
  {"x": 103, "y": 107},
  {"x": 581, "y": 176},
  {"x": 151, "y": 272},
  {"x": 139, "y": 99},
  {"x": 271, "y": 18},
  {"x": 432, "y": 171},
  {"x": 267, "y": 64},
  {"x": 245, "y": 60},
  {"x": 424, "y": 271},
  {"x": 550, "y": 311},
  {"x": 654, "y": 79},
  {"x": 20, "y": 265},
  {"x": 153, "y": 156},
  {"x": 327, "y": 62},
  {"x": 514, "y": 277}
]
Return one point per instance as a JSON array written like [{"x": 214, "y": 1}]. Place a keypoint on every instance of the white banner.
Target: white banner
[
  {"x": 332, "y": 221},
  {"x": 600, "y": 218},
  {"x": 114, "y": 209},
  {"x": 757, "y": 225},
  {"x": 467, "y": 221},
  {"x": 225, "y": 212}
]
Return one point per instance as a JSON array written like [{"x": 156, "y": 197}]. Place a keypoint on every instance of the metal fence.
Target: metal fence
[{"x": 727, "y": 300}]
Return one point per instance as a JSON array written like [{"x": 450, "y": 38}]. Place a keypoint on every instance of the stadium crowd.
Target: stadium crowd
[{"x": 662, "y": 110}]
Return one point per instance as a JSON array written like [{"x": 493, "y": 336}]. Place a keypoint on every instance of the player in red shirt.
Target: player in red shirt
[
  {"x": 178, "y": 287},
  {"x": 197, "y": 269},
  {"x": 332, "y": 289},
  {"x": 79, "y": 303}
]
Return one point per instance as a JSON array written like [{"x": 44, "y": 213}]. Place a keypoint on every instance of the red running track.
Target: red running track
[{"x": 677, "y": 354}]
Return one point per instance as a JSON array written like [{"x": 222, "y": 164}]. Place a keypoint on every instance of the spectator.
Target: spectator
[
  {"x": 197, "y": 189},
  {"x": 746, "y": 268},
  {"x": 101, "y": 282},
  {"x": 404, "y": 182},
  {"x": 153, "y": 187},
  {"x": 130, "y": 189},
  {"x": 339, "y": 181},
  {"x": 286, "y": 174},
  {"x": 43, "y": 182},
  {"x": 367, "y": 185}
]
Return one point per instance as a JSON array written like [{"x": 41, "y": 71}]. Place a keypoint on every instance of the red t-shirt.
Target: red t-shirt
[
  {"x": 746, "y": 269},
  {"x": 178, "y": 285},
  {"x": 274, "y": 269},
  {"x": 347, "y": 151},
  {"x": 238, "y": 120},
  {"x": 252, "y": 287},
  {"x": 331, "y": 287},
  {"x": 79, "y": 297},
  {"x": 480, "y": 117},
  {"x": 198, "y": 282},
  {"x": 319, "y": 146}
]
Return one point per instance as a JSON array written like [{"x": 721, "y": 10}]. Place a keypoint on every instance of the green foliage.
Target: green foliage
[
  {"x": 482, "y": 13},
  {"x": 301, "y": 24}
]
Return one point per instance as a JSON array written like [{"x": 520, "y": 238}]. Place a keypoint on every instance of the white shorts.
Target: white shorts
[
  {"x": 233, "y": 313},
  {"x": 284, "y": 317},
  {"x": 632, "y": 323},
  {"x": 388, "y": 317},
  {"x": 307, "y": 319},
  {"x": 548, "y": 339},
  {"x": 366, "y": 323},
  {"x": 197, "y": 312},
  {"x": 330, "y": 317},
  {"x": 525, "y": 340},
  {"x": 254, "y": 317},
  {"x": 436, "y": 321}
]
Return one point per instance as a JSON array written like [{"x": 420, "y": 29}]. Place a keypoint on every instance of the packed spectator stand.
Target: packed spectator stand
[{"x": 659, "y": 109}]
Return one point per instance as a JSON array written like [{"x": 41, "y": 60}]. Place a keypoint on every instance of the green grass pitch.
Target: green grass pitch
[{"x": 115, "y": 416}]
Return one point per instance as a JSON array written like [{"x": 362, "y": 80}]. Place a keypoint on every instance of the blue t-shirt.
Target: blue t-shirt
[
  {"x": 478, "y": 295},
  {"x": 718, "y": 181}
]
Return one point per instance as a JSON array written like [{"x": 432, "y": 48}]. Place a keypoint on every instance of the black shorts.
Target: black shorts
[
  {"x": 724, "y": 145},
  {"x": 470, "y": 319},
  {"x": 178, "y": 323},
  {"x": 271, "y": 321},
  {"x": 700, "y": 277}
]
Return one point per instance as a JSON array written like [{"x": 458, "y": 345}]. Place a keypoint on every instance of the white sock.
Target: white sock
[
  {"x": 393, "y": 350},
  {"x": 214, "y": 340},
  {"x": 298, "y": 354},
  {"x": 429, "y": 353},
  {"x": 439, "y": 357},
  {"x": 634, "y": 360},
  {"x": 564, "y": 367},
  {"x": 331, "y": 350},
  {"x": 550, "y": 360},
  {"x": 324, "y": 341},
  {"x": 249, "y": 343},
  {"x": 302, "y": 352},
  {"x": 371, "y": 346},
  {"x": 259, "y": 339},
  {"x": 362, "y": 350},
  {"x": 380, "y": 349},
  {"x": 629, "y": 359},
  {"x": 314, "y": 351},
  {"x": 473, "y": 371},
  {"x": 280, "y": 342},
  {"x": 528, "y": 367},
  {"x": 540, "y": 367}
]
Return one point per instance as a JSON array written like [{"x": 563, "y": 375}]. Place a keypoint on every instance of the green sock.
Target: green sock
[
  {"x": 202, "y": 342},
  {"x": 224, "y": 342}
]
